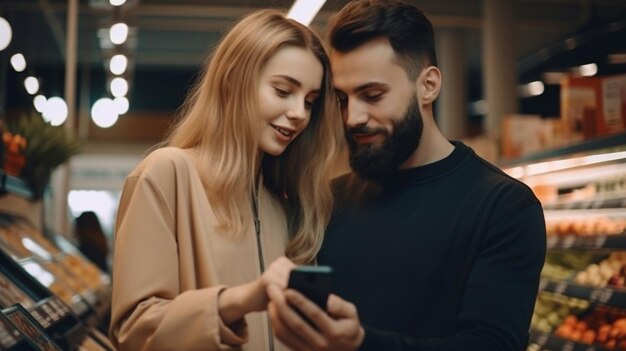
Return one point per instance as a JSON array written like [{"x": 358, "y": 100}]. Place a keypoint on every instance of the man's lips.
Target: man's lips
[{"x": 365, "y": 138}]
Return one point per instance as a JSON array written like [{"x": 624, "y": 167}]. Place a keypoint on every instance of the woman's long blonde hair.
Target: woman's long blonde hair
[{"x": 219, "y": 119}]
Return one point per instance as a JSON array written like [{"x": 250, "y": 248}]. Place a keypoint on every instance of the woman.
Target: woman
[{"x": 243, "y": 181}]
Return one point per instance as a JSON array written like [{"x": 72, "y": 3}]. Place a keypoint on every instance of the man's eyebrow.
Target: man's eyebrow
[
  {"x": 369, "y": 85},
  {"x": 292, "y": 80},
  {"x": 364, "y": 87}
]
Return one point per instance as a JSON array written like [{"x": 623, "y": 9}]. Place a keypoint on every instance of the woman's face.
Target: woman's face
[{"x": 289, "y": 85}]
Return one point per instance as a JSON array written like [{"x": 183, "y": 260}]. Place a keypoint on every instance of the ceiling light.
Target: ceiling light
[
  {"x": 304, "y": 11},
  {"x": 39, "y": 102},
  {"x": 5, "y": 34},
  {"x": 119, "y": 87},
  {"x": 588, "y": 70},
  {"x": 18, "y": 62},
  {"x": 121, "y": 105},
  {"x": 479, "y": 107},
  {"x": 534, "y": 88},
  {"x": 117, "y": 2},
  {"x": 104, "y": 113},
  {"x": 31, "y": 84},
  {"x": 118, "y": 33},
  {"x": 118, "y": 64},
  {"x": 55, "y": 111}
]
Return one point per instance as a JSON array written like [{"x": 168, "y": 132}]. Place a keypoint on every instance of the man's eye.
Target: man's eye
[{"x": 281, "y": 92}]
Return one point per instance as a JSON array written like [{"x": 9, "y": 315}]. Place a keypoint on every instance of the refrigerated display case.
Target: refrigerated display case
[
  {"x": 46, "y": 277},
  {"x": 582, "y": 189}
]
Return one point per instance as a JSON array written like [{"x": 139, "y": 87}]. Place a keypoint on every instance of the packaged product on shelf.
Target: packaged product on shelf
[{"x": 10, "y": 294}]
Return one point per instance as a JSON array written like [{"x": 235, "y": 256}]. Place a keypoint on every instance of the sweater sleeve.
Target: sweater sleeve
[
  {"x": 498, "y": 296},
  {"x": 149, "y": 310}
]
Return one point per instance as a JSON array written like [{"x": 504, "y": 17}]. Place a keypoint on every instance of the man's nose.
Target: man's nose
[{"x": 355, "y": 114}]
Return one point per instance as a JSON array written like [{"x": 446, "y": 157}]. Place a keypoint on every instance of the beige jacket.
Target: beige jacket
[{"x": 170, "y": 264}]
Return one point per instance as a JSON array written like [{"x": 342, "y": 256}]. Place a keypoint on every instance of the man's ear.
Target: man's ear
[{"x": 429, "y": 84}]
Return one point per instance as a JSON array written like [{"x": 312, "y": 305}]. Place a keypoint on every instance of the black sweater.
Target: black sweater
[{"x": 445, "y": 256}]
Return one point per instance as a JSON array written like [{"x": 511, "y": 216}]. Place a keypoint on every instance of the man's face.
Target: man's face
[{"x": 380, "y": 110}]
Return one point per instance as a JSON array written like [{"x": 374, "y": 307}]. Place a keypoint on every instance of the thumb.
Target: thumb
[{"x": 340, "y": 308}]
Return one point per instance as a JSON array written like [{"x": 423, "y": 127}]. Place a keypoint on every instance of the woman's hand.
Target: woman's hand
[{"x": 235, "y": 302}]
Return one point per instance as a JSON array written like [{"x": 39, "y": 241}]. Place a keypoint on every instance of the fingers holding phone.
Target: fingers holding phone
[
  {"x": 290, "y": 310},
  {"x": 301, "y": 323}
]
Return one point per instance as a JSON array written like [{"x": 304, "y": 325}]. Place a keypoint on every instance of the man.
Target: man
[{"x": 433, "y": 247}]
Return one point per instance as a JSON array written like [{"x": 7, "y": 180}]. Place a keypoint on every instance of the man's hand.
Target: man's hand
[{"x": 337, "y": 330}]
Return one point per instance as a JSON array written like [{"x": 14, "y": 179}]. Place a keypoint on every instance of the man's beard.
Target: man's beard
[{"x": 375, "y": 162}]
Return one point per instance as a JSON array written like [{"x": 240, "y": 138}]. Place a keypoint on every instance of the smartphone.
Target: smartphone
[{"x": 314, "y": 282}]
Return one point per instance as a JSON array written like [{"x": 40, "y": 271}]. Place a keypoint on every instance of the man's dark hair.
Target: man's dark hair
[{"x": 408, "y": 30}]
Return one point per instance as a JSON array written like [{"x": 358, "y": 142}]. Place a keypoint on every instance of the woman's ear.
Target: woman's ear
[{"x": 429, "y": 84}]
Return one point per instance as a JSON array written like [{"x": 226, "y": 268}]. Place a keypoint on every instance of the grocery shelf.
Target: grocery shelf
[
  {"x": 592, "y": 145},
  {"x": 608, "y": 296},
  {"x": 613, "y": 200},
  {"x": 14, "y": 185},
  {"x": 566, "y": 242},
  {"x": 548, "y": 341}
]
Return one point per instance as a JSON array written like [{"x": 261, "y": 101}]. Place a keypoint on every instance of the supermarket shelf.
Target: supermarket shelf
[
  {"x": 607, "y": 296},
  {"x": 614, "y": 200},
  {"x": 548, "y": 341},
  {"x": 592, "y": 145},
  {"x": 14, "y": 185},
  {"x": 566, "y": 242}
]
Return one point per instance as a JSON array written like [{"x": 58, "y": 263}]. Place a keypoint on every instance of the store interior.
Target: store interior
[{"x": 538, "y": 87}]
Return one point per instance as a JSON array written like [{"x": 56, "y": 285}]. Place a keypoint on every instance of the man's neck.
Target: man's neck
[{"x": 433, "y": 147}]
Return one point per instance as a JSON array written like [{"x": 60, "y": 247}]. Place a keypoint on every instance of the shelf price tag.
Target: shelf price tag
[
  {"x": 568, "y": 346},
  {"x": 568, "y": 241},
  {"x": 542, "y": 339},
  {"x": 600, "y": 295},
  {"x": 40, "y": 317},
  {"x": 551, "y": 241},
  {"x": 59, "y": 307},
  {"x": 560, "y": 287},
  {"x": 599, "y": 241},
  {"x": 54, "y": 317}
]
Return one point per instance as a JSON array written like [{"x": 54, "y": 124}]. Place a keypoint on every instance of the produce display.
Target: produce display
[
  {"x": 551, "y": 309},
  {"x": 602, "y": 326},
  {"x": 610, "y": 271},
  {"x": 582, "y": 298},
  {"x": 590, "y": 226}
]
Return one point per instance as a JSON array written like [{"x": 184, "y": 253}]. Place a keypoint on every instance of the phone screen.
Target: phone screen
[{"x": 314, "y": 282}]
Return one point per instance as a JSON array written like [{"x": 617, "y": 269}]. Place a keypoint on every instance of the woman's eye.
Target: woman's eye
[
  {"x": 281, "y": 92},
  {"x": 308, "y": 104},
  {"x": 343, "y": 100}
]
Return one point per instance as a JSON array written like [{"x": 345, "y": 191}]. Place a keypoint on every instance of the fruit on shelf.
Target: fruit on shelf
[
  {"x": 589, "y": 226},
  {"x": 551, "y": 309},
  {"x": 603, "y": 326},
  {"x": 609, "y": 272}
]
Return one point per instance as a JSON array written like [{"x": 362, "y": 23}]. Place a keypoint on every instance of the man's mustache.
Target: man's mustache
[{"x": 364, "y": 130}]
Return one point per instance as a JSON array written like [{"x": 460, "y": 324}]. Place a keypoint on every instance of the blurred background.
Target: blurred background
[
  {"x": 145, "y": 54},
  {"x": 87, "y": 87}
]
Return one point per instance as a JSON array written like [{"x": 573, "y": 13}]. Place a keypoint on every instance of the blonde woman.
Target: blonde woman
[{"x": 204, "y": 223}]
